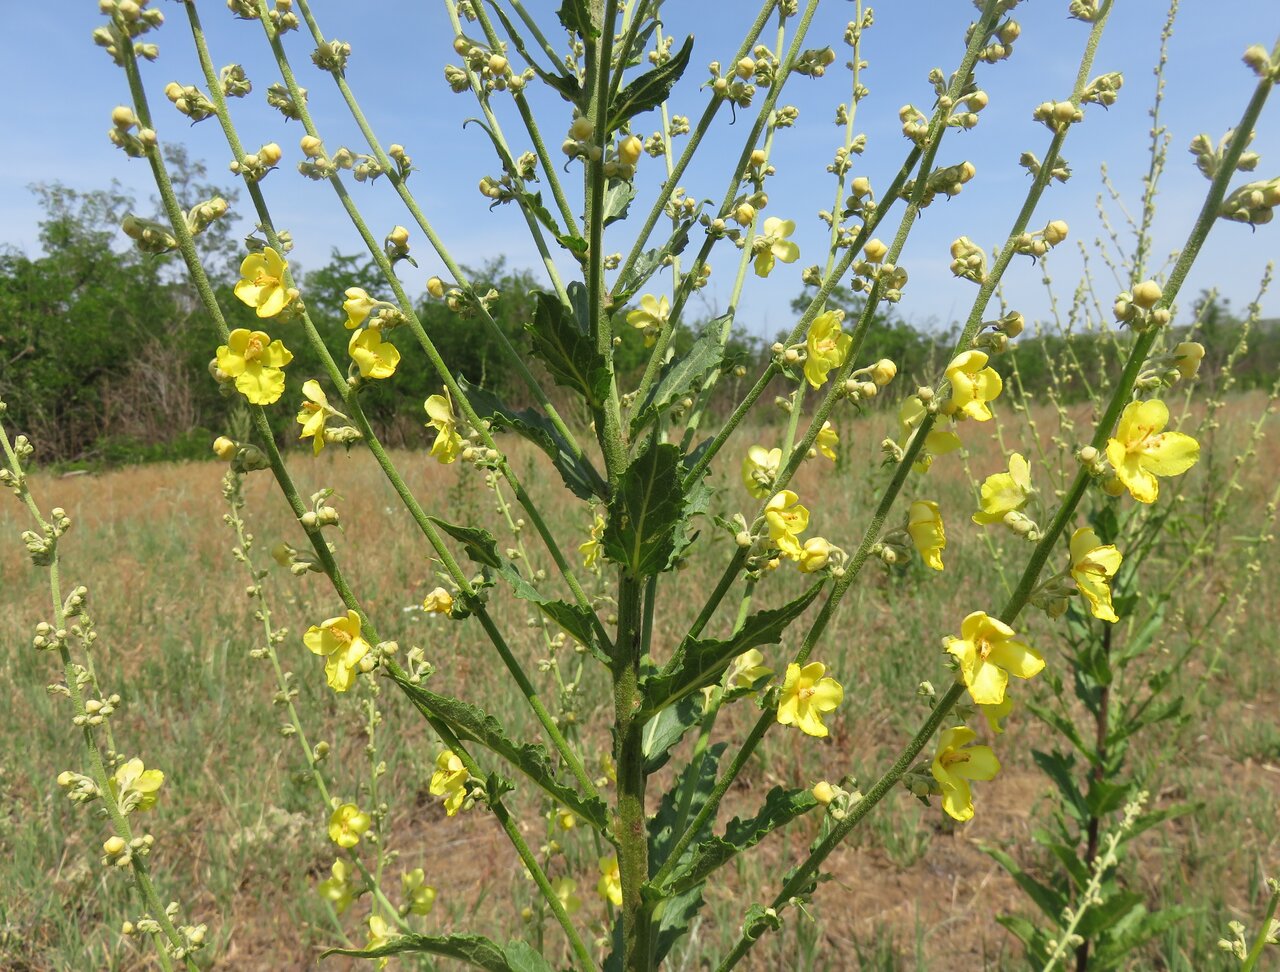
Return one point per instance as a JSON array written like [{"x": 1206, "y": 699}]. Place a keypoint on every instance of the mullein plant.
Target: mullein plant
[{"x": 641, "y": 485}]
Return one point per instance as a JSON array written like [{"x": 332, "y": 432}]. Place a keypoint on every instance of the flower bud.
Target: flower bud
[
  {"x": 744, "y": 214},
  {"x": 123, "y": 117},
  {"x": 824, "y": 792},
  {"x": 874, "y": 251},
  {"x": 435, "y": 287},
  {"x": 224, "y": 448},
  {"x": 1147, "y": 294},
  {"x": 745, "y": 68},
  {"x": 758, "y": 157},
  {"x": 581, "y": 129},
  {"x": 1189, "y": 355},
  {"x": 399, "y": 236},
  {"x": 311, "y": 147},
  {"x": 114, "y": 846},
  {"x": 1055, "y": 232},
  {"x": 270, "y": 153},
  {"x": 629, "y": 150},
  {"x": 883, "y": 372}
]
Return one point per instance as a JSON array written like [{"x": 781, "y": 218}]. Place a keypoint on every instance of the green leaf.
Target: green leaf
[
  {"x": 650, "y": 89},
  {"x": 1058, "y": 768},
  {"x": 577, "y": 471},
  {"x": 1035, "y": 940},
  {"x": 471, "y": 723},
  {"x": 700, "y": 662},
  {"x": 1048, "y": 900},
  {"x": 645, "y": 514},
  {"x": 482, "y": 548},
  {"x": 1115, "y": 907},
  {"x": 781, "y": 806},
  {"x": 617, "y": 199},
  {"x": 567, "y": 350},
  {"x": 532, "y": 201},
  {"x": 648, "y": 263},
  {"x": 667, "y": 728},
  {"x": 575, "y": 16},
  {"x": 522, "y": 957},
  {"x": 682, "y": 375},
  {"x": 662, "y": 828},
  {"x": 1117, "y": 949},
  {"x": 473, "y": 949}
]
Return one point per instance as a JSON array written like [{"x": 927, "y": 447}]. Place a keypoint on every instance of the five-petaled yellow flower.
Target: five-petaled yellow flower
[
  {"x": 941, "y": 439},
  {"x": 315, "y": 411},
  {"x": 747, "y": 669},
  {"x": 448, "y": 444},
  {"x": 973, "y": 385},
  {"x": 1093, "y": 564},
  {"x": 262, "y": 284},
  {"x": 1141, "y": 450},
  {"x": 806, "y": 694},
  {"x": 956, "y": 763},
  {"x": 255, "y": 362},
  {"x": 1005, "y": 492},
  {"x": 988, "y": 654},
  {"x": 609, "y": 886},
  {"x": 787, "y": 519},
  {"x": 566, "y": 890},
  {"x": 134, "y": 787},
  {"x": 774, "y": 245},
  {"x": 375, "y": 357},
  {"x": 827, "y": 347},
  {"x": 379, "y": 935},
  {"x": 346, "y": 825},
  {"x": 827, "y": 441},
  {"x": 924, "y": 523},
  {"x": 358, "y": 306},
  {"x": 760, "y": 469},
  {"x": 591, "y": 549},
  {"x": 340, "y": 642},
  {"x": 338, "y": 890},
  {"x": 651, "y": 317},
  {"x": 421, "y": 896},
  {"x": 450, "y": 781}
]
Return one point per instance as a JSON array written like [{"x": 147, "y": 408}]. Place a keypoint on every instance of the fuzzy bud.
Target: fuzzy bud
[{"x": 1147, "y": 294}]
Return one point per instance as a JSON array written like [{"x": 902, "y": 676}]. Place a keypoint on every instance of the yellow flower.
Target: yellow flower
[
  {"x": 609, "y": 886},
  {"x": 338, "y": 889},
  {"x": 760, "y": 469},
  {"x": 651, "y": 316},
  {"x": 1092, "y": 567},
  {"x": 814, "y": 555},
  {"x": 375, "y": 357},
  {"x": 315, "y": 411},
  {"x": 774, "y": 245},
  {"x": 956, "y": 763},
  {"x": 133, "y": 787},
  {"x": 255, "y": 362},
  {"x": 746, "y": 670},
  {"x": 449, "y": 781},
  {"x": 421, "y": 896},
  {"x": 924, "y": 523},
  {"x": 438, "y": 601},
  {"x": 883, "y": 372},
  {"x": 1005, "y": 492},
  {"x": 339, "y": 641},
  {"x": 973, "y": 385},
  {"x": 827, "y": 345},
  {"x": 787, "y": 519},
  {"x": 995, "y": 714},
  {"x": 448, "y": 444},
  {"x": 1188, "y": 356},
  {"x": 806, "y": 694},
  {"x": 1141, "y": 451},
  {"x": 940, "y": 440},
  {"x": 379, "y": 935},
  {"x": 827, "y": 441},
  {"x": 358, "y": 306},
  {"x": 566, "y": 889},
  {"x": 346, "y": 825},
  {"x": 261, "y": 284},
  {"x": 988, "y": 655},
  {"x": 591, "y": 549}
]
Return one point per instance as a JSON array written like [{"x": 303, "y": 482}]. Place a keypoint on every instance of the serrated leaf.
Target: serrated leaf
[
  {"x": 475, "y": 950},
  {"x": 575, "y": 17},
  {"x": 577, "y": 471},
  {"x": 644, "y": 515},
  {"x": 471, "y": 723},
  {"x": 666, "y": 729},
  {"x": 567, "y": 349},
  {"x": 700, "y": 662},
  {"x": 617, "y": 199},
  {"x": 522, "y": 957},
  {"x": 780, "y": 807},
  {"x": 480, "y": 544},
  {"x": 648, "y": 263},
  {"x": 682, "y": 375},
  {"x": 650, "y": 89},
  {"x": 662, "y": 828}
]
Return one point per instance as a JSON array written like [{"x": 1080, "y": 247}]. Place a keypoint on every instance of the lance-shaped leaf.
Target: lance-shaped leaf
[
  {"x": 617, "y": 199},
  {"x": 471, "y": 723},
  {"x": 576, "y": 471},
  {"x": 683, "y": 375},
  {"x": 700, "y": 662},
  {"x": 532, "y": 201},
  {"x": 648, "y": 263},
  {"x": 482, "y": 548},
  {"x": 781, "y": 806},
  {"x": 667, "y": 728},
  {"x": 650, "y": 89},
  {"x": 646, "y": 513},
  {"x": 476, "y": 950},
  {"x": 561, "y": 340}
]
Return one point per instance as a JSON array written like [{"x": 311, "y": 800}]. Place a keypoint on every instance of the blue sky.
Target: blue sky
[{"x": 401, "y": 47}]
